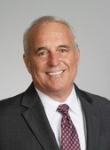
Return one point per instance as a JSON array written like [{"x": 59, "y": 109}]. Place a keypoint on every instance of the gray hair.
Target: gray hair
[{"x": 36, "y": 24}]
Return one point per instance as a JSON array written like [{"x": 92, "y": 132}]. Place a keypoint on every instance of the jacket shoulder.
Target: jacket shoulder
[
  {"x": 96, "y": 98},
  {"x": 10, "y": 102},
  {"x": 99, "y": 102},
  {"x": 91, "y": 97}
]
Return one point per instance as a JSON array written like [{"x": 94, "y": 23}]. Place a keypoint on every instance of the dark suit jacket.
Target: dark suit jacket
[{"x": 24, "y": 125}]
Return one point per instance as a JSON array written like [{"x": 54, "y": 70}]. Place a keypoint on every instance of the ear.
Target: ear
[
  {"x": 78, "y": 55},
  {"x": 27, "y": 62}
]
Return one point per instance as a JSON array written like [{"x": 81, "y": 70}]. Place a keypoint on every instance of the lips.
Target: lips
[{"x": 55, "y": 73}]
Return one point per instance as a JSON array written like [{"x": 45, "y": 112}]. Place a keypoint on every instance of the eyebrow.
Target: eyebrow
[
  {"x": 64, "y": 46},
  {"x": 60, "y": 46},
  {"x": 40, "y": 48}
]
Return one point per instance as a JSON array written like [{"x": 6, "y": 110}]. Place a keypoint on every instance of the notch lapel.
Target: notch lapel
[
  {"x": 92, "y": 120},
  {"x": 37, "y": 120}
]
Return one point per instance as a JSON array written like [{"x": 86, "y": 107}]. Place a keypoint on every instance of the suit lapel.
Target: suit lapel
[
  {"x": 37, "y": 121},
  {"x": 92, "y": 120},
  {"x": 36, "y": 118}
]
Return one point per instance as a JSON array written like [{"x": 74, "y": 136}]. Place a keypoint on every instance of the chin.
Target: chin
[{"x": 55, "y": 89}]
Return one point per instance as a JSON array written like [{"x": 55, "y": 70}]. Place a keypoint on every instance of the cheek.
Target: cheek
[
  {"x": 74, "y": 59},
  {"x": 71, "y": 61},
  {"x": 73, "y": 64},
  {"x": 38, "y": 67}
]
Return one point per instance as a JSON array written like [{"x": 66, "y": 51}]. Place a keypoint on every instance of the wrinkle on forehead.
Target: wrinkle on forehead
[{"x": 53, "y": 31}]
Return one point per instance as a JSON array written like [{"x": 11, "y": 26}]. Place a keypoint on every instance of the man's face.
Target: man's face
[{"x": 53, "y": 59}]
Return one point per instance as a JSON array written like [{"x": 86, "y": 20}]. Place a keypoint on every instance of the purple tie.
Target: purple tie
[{"x": 69, "y": 136}]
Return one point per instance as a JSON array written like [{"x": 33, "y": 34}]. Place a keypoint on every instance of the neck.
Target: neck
[{"x": 59, "y": 96}]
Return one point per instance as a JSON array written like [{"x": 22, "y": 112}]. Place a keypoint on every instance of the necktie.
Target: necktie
[{"x": 69, "y": 136}]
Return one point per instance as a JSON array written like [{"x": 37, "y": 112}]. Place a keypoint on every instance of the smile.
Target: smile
[{"x": 55, "y": 73}]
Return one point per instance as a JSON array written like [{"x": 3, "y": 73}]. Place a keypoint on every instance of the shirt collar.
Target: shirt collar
[{"x": 51, "y": 105}]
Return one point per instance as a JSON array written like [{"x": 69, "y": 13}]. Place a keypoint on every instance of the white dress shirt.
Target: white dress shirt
[{"x": 75, "y": 112}]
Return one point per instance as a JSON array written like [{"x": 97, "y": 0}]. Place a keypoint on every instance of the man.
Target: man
[{"x": 32, "y": 120}]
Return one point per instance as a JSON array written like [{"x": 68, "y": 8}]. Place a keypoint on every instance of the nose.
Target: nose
[{"x": 53, "y": 59}]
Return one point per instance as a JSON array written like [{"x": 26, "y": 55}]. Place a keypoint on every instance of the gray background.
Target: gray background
[{"x": 91, "y": 22}]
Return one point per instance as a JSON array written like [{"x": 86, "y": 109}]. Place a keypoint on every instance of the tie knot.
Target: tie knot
[{"x": 63, "y": 109}]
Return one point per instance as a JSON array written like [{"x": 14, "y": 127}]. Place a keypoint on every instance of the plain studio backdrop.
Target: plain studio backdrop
[{"x": 91, "y": 22}]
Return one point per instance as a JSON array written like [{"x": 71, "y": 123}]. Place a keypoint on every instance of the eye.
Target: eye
[
  {"x": 42, "y": 53},
  {"x": 63, "y": 50}
]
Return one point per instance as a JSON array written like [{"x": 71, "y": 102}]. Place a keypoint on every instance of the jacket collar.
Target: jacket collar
[
  {"x": 36, "y": 119},
  {"x": 92, "y": 119}
]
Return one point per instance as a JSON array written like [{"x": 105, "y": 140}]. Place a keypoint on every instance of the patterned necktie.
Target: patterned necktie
[{"x": 69, "y": 136}]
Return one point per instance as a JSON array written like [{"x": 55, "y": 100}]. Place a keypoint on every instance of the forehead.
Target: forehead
[
  {"x": 51, "y": 28},
  {"x": 51, "y": 34}
]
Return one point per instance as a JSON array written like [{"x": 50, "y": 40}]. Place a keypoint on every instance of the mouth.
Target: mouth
[{"x": 55, "y": 73}]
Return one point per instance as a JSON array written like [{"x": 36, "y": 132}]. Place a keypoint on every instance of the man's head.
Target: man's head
[{"x": 51, "y": 56}]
